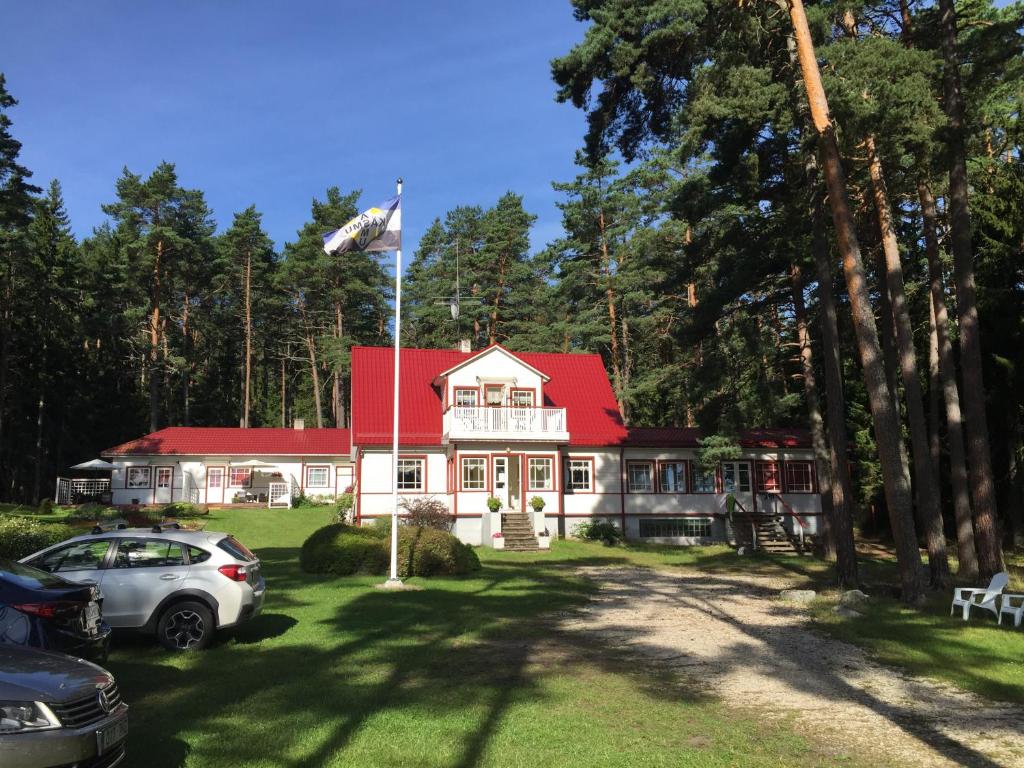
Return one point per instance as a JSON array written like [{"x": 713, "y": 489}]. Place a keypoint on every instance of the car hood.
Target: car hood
[{"x": 28, "y": 674}]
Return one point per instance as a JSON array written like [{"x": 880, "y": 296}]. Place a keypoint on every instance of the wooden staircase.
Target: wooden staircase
[
  {"x": 771, "y": 536},
  {"x": 517, "y": 528}
]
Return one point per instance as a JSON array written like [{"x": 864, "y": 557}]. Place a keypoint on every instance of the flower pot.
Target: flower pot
[
  {"x": 544, "y": 542},
  {"x": 499, "y": 542}
]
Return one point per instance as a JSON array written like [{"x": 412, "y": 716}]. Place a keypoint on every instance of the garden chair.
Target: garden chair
[
  {"x": 980, "y": 597},
  {"x": 1006, "y": 606}
]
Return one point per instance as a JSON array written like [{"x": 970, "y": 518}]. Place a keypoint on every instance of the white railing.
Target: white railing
[
  {"x": 72, "y": 489},
  {"x": 516, "y": 423}
]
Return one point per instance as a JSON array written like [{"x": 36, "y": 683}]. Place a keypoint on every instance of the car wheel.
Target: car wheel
[{"x": 185, "y": 626}]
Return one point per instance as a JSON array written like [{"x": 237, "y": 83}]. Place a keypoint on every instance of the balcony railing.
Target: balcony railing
[{"x": 481, "y": 423}]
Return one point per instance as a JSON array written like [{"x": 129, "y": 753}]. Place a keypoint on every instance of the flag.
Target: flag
[{"x": 375, "y": 229}]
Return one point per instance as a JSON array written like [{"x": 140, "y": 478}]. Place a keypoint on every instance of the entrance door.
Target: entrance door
[
  {"x": 215, "y": 485},
  {"x": 164, "y": 481},
  {"x": 515, "y": 485},
  {"x": 737, "y": 479},
  {"x": 501, "y": 479},
  {"x": 344, "y": 480}
]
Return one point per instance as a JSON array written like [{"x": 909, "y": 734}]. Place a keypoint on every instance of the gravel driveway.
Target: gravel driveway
[{"x": 733, "y": 635}]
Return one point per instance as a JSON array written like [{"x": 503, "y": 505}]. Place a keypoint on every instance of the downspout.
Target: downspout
[
  {"x": 359, "y": 487},
  {"x": 622, "y": 487}
]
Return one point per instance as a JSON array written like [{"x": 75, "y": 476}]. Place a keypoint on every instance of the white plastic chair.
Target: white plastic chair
[
  {"x": 1016, "y": 611},
  {"x": 980, "y": 597}
]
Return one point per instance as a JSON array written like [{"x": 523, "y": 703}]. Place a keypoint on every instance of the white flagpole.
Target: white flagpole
[{"x": 394, "y": 439}]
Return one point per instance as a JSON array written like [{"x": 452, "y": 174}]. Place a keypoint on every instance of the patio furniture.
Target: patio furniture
[
  {"x": 980, "y": 597},
  {"x": 1006, "y": 605}
]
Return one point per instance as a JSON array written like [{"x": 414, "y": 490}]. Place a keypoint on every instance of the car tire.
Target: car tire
[{"x": 185, "y": 626}]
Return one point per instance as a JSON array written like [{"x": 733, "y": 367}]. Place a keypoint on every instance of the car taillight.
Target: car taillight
[
  {"x": 48, "y": 610},
  {"x": 233, "y": 572}
]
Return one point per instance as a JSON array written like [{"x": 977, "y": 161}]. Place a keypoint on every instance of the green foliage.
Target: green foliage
[
  {"x": 428, "y": 513},
  {"x": 343, "y": 507},
  {"x": 537, "y": 504},
  {"x": 598, "y": 530},
  {"x": 21, "y": 536},
  {"x": 46, "y": 506},
  {"x": 183, "y": 509},
  {"x": 431, "y": 552},
  {"x": 94, "y": 512},
  {"x": 493, "y": 503},
  {"x": 715, "y": 449}
]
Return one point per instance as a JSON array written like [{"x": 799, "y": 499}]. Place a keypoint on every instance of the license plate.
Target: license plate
[{"x": 109, "y": 737}]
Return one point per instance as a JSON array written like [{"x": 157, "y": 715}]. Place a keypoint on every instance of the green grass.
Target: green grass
[{"x": 467, "y": 672}]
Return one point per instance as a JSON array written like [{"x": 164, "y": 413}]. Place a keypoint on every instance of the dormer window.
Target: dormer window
[
  {"x": 522, "y": 398},
  {"x": 494, "y": 394},
  {"x": 466, "y": 397}
]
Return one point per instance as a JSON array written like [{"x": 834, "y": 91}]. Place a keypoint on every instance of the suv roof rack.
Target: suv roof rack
[
  {"x": 110, "y": 525},
  {"x": 161, "y": 527}
]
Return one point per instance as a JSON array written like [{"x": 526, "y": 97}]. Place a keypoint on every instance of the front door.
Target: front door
[
  {"x": 164, "y": 481},
  {"x": 515, "y": 485},
  {"x": 501, "y": 479},
  {"x": 737, "y": 479},
  {"x": 215, "y": 485}
]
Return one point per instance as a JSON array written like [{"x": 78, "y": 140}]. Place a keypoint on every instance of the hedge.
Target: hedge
[
  {"x": 343, "y": 549},
  {"x": 21, "y": 536}
]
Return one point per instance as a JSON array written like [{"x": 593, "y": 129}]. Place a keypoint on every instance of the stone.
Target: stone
[
  {"x": 845, "y": 612},
  {"x": 798, "y": 595},
  {"x": 397, "y": 585},
  {"x": 852, "y": 597}
]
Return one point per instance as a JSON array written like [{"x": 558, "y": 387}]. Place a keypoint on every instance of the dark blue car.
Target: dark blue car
[{"x": 42, "y": 610}]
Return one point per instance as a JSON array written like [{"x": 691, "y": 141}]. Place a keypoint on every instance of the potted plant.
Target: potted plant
[
  {"x": 544, "y": 539},
  {"x": 498, "y": 540},
  {"x": 493, "y": 503},
  {"x": 537, "y": 503}
]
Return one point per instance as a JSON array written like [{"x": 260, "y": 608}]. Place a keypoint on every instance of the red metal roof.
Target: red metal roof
[
  {"x": 687, "y": 437},
  {"x": 235, "y": 441},
  {"x": 578, "y": 383}
]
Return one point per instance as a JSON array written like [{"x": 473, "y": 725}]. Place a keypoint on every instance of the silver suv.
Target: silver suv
[
  {"x": 181, "y": 585},
  {"x": 58, "y": 710}
]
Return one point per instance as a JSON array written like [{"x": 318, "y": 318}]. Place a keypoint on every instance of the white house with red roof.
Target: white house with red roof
[{"x": 491, "y": 423}]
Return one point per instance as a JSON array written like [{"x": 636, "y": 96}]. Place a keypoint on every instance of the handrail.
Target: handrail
[{"x": 793, "y": 513}]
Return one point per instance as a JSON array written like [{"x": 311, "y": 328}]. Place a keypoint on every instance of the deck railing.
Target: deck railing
[{"x": 505, "y": 422}]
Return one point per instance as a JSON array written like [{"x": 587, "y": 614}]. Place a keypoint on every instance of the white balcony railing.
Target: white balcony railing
[{"x": 480, "y": 423}]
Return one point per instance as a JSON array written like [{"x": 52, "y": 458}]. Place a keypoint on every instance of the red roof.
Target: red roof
[
  {"x": 687, "y": 437},
  {"x": 235, "y": 441},
  {"x": 578, "y": 383}
]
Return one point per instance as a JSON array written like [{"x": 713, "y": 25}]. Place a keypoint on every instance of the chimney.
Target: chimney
[
  {"x": 300, "y": 424},
  {"x": 465, "y": 345}
]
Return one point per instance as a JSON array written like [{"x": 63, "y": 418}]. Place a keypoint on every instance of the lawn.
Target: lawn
[{"x": 468, "y": 672}]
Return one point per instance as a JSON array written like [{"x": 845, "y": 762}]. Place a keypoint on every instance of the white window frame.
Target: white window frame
[
  {"x": 467, "y": 391},
  {"x": 790, "y": 485},
  {"x": 522, "y": 392},
  {"x": 134, "y": 484},
  {"x": 645, "y": 472},
  {"x": 549, "y": 481},
  {"x": 248, "y": 477},
  {"x": 473, "y": 462},
  {"x": 700, "y": 476},
  {"x": 584, "y": 465},
  {"x": 676, "y": 528},
  {"x": 681, "y": 474},
  {"x": 420, "y": 468},
  {"x": 318, "y": 469}
]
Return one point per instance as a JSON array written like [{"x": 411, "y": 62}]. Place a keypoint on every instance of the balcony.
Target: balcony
[{"x": 521, "y": 424}]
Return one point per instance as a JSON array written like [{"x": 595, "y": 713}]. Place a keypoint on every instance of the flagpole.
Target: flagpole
[{"x": 394, "y": 580}]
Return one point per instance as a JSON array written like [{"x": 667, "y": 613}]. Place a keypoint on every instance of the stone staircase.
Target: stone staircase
[{"x": 517, "y": 528}]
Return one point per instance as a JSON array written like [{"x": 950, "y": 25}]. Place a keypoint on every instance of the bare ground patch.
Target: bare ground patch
[{"x": 734, "y": 638}]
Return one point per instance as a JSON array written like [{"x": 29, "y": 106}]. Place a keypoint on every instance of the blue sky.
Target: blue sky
[{"x": 271, "y": 103}]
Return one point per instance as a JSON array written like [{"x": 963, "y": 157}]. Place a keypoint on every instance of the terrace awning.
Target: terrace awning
[{"x": 95, "y": 464}]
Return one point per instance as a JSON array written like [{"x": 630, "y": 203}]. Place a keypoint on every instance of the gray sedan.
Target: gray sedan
[{"x": 56, "y": 710}]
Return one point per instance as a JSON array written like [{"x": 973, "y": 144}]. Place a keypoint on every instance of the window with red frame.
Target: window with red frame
[
  {"x": 768, "y": 477},
  {"x": 799, "y": 477},
  {"x": 239, "y": 477}
]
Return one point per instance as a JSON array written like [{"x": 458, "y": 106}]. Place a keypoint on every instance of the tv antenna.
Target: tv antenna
[{"x": 456, "y": 300}]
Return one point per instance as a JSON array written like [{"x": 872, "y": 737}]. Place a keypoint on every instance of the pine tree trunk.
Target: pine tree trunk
[
  {"x": 613, "y": 326},
  {"x": 934, "y": 393},
  {"x": 886, "y": 422},
  {"x": 186, "y": 372},
  {"x": 887, "y": 337},
  {"x": 925, "y": 474},
  {"x": 990, "y": 555},
  {"x": 154, "y": 342},
  {"x": 496, "y": 309},
  {"x": 247, "y": 406},
  {"x": 835, "y": 403},
  {"x": 966, "y": 549},
  {"x": 6, "y": 328},
  {"x": 820, "y": 441},
  {"x": 37, "y": 475},
  {"x": 284, "y": 395},
  {"x": 314, "y": 372}
]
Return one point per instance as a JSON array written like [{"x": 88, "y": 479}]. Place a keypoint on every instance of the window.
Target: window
[
  {"x": 799, "y": 477},
  {"x": 148, "y": 553},
  {"x": 240, "y": 477},
  {"x": 215, "y": 477},
  {"x": 197, "y": 555},
  {"x": 768, "y": 476},
  {"x": 579, "y": 475},
  {"x": 672, "y": 476},
  {"x": 704, "y": 480},
  {"x": 688, "y": 527},
  {"x": 474, "y": 473},
  {"x": 164, "y": 476},
  {"x": 318, "y": 477},
  {"x": 736, "y": 476},
  {"x": 522, "y": 398},
  {"x": 466, "y": 398},
  {"x": 83, "y": 556},
  {"x": 139, "y": 477},
  {"x": 494, "y": 394},
  {"x": 640, "y": 477},
  {"x": 410, "y": 474},
  {"x": 541, "y": 476}
]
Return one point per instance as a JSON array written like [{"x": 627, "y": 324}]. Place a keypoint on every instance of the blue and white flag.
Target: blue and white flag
[{"x": 375, "y": 229}]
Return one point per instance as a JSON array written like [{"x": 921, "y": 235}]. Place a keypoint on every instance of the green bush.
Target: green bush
[
  {"x": 343, "y": 507},
  {"x": 428, "y": 513},
  {"x": 21, "y": 536},
  {"x": 185, "y": 509},
  {"x": 93, "y": 512},
  {"x": 46, "y": 507},
  {"x": 599, "y": 530},
  {"x": 345, "y": 549}
]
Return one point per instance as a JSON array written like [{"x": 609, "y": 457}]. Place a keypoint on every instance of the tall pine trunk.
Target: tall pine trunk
[
  {"x": 886, "y": 421},
  {"x": 613, "y": 326},
  {"x": 990, "y": 555},
  {"x": 966, "y": 552},
  {"x": 925, "y": 474},
  {"x": 154, "y": 342},
  {"x": 247, "y": 404}
]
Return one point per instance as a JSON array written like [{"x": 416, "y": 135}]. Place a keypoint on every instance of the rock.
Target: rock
[
  {"x": 852, "y": 597},
  {"x": 846, "y": 613},
  {"x": 741, "y": 551},
  {"x": 798, "y": 595}
]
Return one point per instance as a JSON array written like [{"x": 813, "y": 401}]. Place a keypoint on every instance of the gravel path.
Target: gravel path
[{"x": 753, "y": 650}]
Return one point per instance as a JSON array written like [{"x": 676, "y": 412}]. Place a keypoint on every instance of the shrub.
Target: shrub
[
  {"x": 344, "y": 507},
  {"x": 93, "y": 512},
  {"x": 381, "y": 526},
  {"x": 598, "y": 530},
  {"x": 185, "y": 509},
  {"x": 537, "y": 504},
  {"x": 46, "y": 507},
  {"x": 21, "y": 536},
  {"x": 427, "y": 513},
  {"x": 345, "y": 549},
  {"x": 493, "y": 503}
]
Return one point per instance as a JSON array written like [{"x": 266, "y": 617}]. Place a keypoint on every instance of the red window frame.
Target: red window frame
[
  {"x": 231, "y": 474},
  {"x": 487, "y": 474},
  {"x": 318, "y": 466},
  {"x": 567, "y": 485},
  {"x": 515, "y": 390},
  {"x": 692, "y": 481},
  {"x": 651, "y": 469},
  {"x": 767, "y": 477},
  {"x": 422, "y": 458},
  {"x": 501, "y": 388},
  {"x": 455, "y": 396},
  {"x": 149, "y": 478},
  {"x": 811, "y": 476},
  {"x": 686, "y": 475},
  {"x": 554, "y": 474}
]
